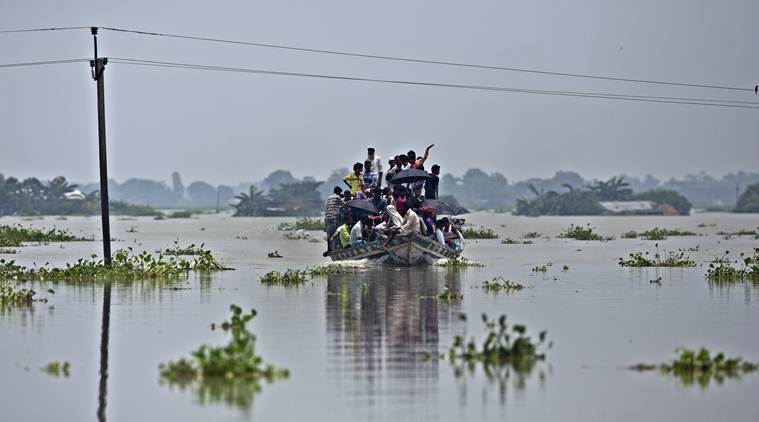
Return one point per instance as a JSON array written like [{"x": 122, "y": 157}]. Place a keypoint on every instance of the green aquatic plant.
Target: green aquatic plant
[
  {"x": 531, "y": 235},
  {"x": 56, "y": 369},
  {"x": 325, "y": 270},
  {"x": 659, "y": 259},
  {"x": 510, "y": 241},
  {"x": 500, "y": 284},
  {"x": 305, "y": 223},
  {"x": 180, "y": 214},
  {"x": 721, "y": 269},
  {"x": 288, "y": 278},
  {"x": 542, "y": 268},
  {"x": 632, "y": 234},
  {"x": 690, "y": 366},
  {"x": 579, "y": 232},
  {"x": 565, "y": 268},
  {"x": 479, "y": 233},
  {"x": 10, "y": 295},
  {"x": 741, "y": 232},
  {"x": 125, "y": 265},
  {"x": 274, "y": 254},
  {"x": 449, "y": 295},
  {"x": 185, "y": 250},
  {"x": 503, "y": 345},
  {"x": 235, "y": 361},
  {"x": 16, "y": 235},
  {"x": 459, "y": 262},
  {"x": 661, "y": 234}
]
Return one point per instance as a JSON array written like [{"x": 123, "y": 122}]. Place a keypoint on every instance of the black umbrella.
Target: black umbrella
[
  {"x": 444, "y": 208},
  {"x": 409, "y": 176},
  {"x": 363, "y": 205}
]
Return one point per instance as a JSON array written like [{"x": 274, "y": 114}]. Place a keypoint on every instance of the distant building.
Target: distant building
[{"x": 631, "y": 207}]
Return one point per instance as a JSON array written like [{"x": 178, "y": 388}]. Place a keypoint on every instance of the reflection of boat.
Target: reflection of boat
[{"x": 403, "y": 249}]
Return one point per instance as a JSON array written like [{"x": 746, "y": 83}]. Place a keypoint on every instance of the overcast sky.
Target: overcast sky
[{"x": 231, "y": 127}]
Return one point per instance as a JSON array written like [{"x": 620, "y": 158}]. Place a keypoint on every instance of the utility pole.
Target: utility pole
[{"x": 98, "y": 68}]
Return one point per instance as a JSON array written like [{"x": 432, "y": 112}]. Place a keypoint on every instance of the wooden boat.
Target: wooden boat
[{"x": 409, "y": 249}]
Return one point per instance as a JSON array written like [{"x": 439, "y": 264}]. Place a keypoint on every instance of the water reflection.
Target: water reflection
[
  {"x": 380, "y": 326},
  {"x": 104, "y": 337}
]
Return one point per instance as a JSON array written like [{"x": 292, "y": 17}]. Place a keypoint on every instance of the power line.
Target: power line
[
  {"x": 42, "y": 63},
  {"x": 62, "y": 28},
  {"x": 668, "y": 100},
  {"x": 427, "y": 61}
]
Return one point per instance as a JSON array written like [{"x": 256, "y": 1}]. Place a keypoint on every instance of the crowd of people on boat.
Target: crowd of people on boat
[{"x": 365, "y": 212}]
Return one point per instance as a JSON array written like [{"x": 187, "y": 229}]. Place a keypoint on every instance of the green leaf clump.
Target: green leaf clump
[
  {"x": 235, "y": 361},
  {"x": 288, "y": 278},
  {"x": 579, "y": 232},
  {"x": 690, "y": 367},
  {"x": 659, "y": 259},
  {"x": 479, "y": 233},
  {"x": 15, "y": 235},
  {"x": 721, "y": 269},
  {"x": 500, "y": 284}
]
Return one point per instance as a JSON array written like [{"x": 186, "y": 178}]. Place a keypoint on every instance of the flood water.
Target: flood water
[{"x": 355, "y": 344}]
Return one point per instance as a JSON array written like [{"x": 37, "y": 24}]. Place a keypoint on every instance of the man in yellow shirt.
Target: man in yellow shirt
[{"x": 355, "y": 180}]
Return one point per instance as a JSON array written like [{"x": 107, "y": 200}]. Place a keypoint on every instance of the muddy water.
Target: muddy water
[{"x": 355, "y": 343}]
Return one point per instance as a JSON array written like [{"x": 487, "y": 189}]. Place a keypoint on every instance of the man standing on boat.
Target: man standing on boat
[{"x": 376, "y": 167}]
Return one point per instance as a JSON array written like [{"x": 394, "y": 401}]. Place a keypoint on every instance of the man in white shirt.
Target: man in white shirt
[
  {"x": 357, "y": 234},
  {"x": 376, "y": 164},
  {"x": 410, "y": 222}
]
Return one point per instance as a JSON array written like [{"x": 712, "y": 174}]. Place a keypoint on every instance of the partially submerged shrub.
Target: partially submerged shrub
[
  {"x": 56, "y": 369},
  {"x": 500, "y": 284},
  {"x": 479, "y": 233},
  {"x": 721, "y": 269},
  {"x": 659, "y": 259},
  {"x": 510, "y": 241},
  {"x": 581, "y": 233},
  {"x": 125, "y": 265},
  {"x": 305, "y": 223},
  {"x": 10, "y": 295},
  {"x": 701, "y": 367},
  {"x": 542, "y": 268},
  {"x": 661, "y": 234},
  {"x": 459, "y": 262},
  {"x": 186, "y": 250},
  {"x": 449, "y": 295},
  {"x": 15, "y": 235},
  {"x": 503, "y": 345},
  {"x": 531, "y": 235},
  {"x": 274, "y": 254},
  {"x": 632, "y": 234},
  {"x": 237, "y": 361},
  {"x": 288, "y": 278}
]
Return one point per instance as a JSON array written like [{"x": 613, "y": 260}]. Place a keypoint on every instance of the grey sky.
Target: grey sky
[{"x": 226, "y": 128}]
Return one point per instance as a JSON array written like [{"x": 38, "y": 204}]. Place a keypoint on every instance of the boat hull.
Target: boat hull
[{"x": 402, "y": 250}]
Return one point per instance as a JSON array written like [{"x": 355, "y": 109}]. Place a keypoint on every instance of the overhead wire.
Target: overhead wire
[
  {"x": 611, "y": 96},
  {"x": 40, "y": 63},
  {"x": 62, "y": 28},
  {"x": 429, "y": 61}
]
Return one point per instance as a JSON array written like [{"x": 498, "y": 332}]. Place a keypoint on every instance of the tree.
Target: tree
[
  {"x": 177, "y": 187},
  {"x": 749, "y": 200},
  {"x": 614, "y": 189},
  {"x": 201, "y": 194},
  {"x": 670, "y": 197},
  {"x": 250, "y": 204}
]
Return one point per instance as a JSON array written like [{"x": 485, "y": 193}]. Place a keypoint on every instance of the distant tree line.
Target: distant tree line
[{"x": 586, "y": 200}]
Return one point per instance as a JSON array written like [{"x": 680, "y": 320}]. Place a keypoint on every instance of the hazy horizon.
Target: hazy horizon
[{"x": 225, "y": 128}]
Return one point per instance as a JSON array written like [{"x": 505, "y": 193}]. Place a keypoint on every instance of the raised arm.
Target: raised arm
[{"x": 420, "y": 161}]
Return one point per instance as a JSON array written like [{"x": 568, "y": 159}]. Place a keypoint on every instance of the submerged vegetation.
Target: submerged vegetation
[
  {"x": 503, "y": 345},
  {"x": 510, "y": 241},
  {"x": 56, "y": 369},
  {"x": 274, "y": 254},
  {"x": 661, "y": 234},
  {"x": 126, "y": 265},
  {"x": 10, "y": 295},
  {"x": 186, "y": 250},
  {"x": 749, "y": 200},
  {"x": 500, "y": 284},
  {"x": 304, "y": 223},
  {"x": 479, "y": 233},
  {"x": 16, "y": 235},
  {"x": 659, "y": 259},
  {"x": 225, "y": 371},
  {"x": 288, "y": 278},
  {"x": 459, "y": 262},
  {"x": 701, "y": 367},
  {"x": 581, "y": 233},
  {"x": 179, "y": 214},
  {"x": 721, "y": 269},
  {"x": 449, "y": 295}
]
